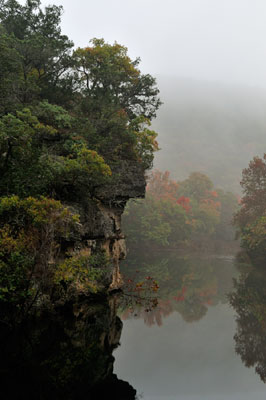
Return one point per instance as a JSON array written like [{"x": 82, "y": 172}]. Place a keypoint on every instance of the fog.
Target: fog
[
  {"x": 209, "y": 58},
  {"x": 215, "y": 40},
  {"x": 212, "y": 128}
]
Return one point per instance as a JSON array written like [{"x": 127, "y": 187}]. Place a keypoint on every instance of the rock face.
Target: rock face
[
  {"x": 101, "y": 217},
  {"x": 130, "y": 183}
]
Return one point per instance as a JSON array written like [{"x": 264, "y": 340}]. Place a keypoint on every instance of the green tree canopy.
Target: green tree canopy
[{"x": 70, "y": 120}]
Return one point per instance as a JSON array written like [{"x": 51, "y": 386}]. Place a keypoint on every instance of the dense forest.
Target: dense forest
[
  {"x": 180, "y": 214},
  {"x": 70, "y": 120}
]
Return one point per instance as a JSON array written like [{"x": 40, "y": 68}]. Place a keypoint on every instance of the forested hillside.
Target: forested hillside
[{"x": 179, "y": 214}]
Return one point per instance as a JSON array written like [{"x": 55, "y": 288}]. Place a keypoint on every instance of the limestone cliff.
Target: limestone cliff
[
  {"x": 71, "y": 263},
  {"x": 100, "y": 218}
]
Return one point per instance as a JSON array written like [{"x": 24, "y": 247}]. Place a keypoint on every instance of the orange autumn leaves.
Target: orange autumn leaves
[
  {"x": 176, "y": 213},
  {"x": 161, "y": 187}
]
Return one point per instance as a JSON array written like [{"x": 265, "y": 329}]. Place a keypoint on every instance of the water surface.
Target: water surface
[
  {"x": 188, "y": 333},
  {"x": 184, "y": 348}
]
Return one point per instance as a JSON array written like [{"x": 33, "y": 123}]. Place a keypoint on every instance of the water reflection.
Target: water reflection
[
  {"x": 249, "y": 302},
  {"x": 64, "y": 354},
  {"x": 187, "y": 285},
  {"x": 68, "y": 353},
  {"x": 185, "y": 347}
]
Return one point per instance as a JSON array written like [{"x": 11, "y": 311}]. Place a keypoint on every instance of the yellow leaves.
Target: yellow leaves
[
  {"x": 88, "y": 162},
  {"x": 82, "y": 270},
  {"x": 254, "y": 235},
  {"x": 44, "y": 210},
  {"x": 11, "y": 242},
  {"x": 105, "y": 62},
  {"x": 26, "y": 116},
  {"x": 145, "y": 140},
  {"x": 30, "y": 240},
  {"x": 7, "y": 203},
  {"x": 45, "y": 129},
  {"x": 7, "y": 242},
  {"x": 36, "y": 73},
  {"x": 25, "y": 221}
]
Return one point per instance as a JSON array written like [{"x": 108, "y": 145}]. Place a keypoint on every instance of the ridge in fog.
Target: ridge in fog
[{"x": 210, "y": 128}]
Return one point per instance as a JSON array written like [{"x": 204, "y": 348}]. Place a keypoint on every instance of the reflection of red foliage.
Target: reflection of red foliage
[
  {"x": 126, "y": 314},
  {"x": 181, "y": 296},
  {"x": 155, "y": 316},
  {"x": 208, "y": 294},
  {"x": 151, "y": 316}
]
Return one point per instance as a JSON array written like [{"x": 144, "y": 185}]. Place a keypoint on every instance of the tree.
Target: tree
[
  {"x": 44, "y": 53},
  {"x": 30, "y": 236},
  {"x": 117, "y": 100},
  {"x": 253, "y": 203},
  {"x": 196, "y": 186},
  {"x": 250, "y": 219},
  {"x": 10, "y": 73},
  {"x": 111, "y": 103},
  {"x": 60, "y": 166},
  {"x": 160, "y": 186},
  {"x": 107, "y": 75}
]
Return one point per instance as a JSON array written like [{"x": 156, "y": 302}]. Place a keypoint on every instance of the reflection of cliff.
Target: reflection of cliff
[
  {"x": 188, "y": 285},
  {"x": 249, "y": 302},
  {"x": 64, "y": 355}
]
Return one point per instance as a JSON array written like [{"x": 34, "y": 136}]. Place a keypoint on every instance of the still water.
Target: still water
[
  {"x": 190, "y": 327},
  {"x": 184, "y": 348}
]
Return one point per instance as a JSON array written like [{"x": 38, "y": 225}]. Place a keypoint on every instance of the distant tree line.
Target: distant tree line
[{"x": 177, "y": 213}]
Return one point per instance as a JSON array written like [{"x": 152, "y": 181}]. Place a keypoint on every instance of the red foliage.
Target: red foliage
[
  {"x": 184, "y": 202},
  {"x": 214, "y": 193},
  {"x": 161, "y": 187}
]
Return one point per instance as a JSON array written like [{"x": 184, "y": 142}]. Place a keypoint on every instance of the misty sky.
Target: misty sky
[{"x": 216, "y": 40}]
